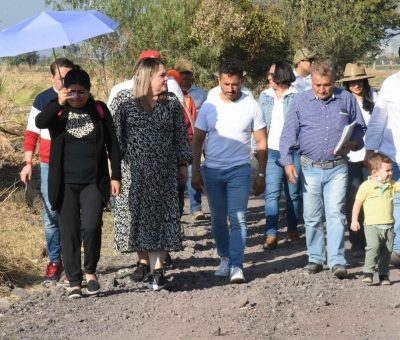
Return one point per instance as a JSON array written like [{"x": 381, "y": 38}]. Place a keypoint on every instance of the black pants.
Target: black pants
[
  {"x": 81, "y": 211},
  {"x": 358, "y": 173}
]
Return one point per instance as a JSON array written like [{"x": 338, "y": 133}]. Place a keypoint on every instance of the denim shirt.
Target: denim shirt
[{"x": 266, "y": 102}]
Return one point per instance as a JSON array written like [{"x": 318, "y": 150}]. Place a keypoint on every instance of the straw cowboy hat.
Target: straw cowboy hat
[{"x": 354, "y": 72}]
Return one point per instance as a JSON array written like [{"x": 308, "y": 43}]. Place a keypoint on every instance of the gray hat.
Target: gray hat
[{"x": 303, "y": 54}]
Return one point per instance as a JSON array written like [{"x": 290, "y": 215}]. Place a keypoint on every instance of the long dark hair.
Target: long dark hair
[{"x": 367, "y": 102}]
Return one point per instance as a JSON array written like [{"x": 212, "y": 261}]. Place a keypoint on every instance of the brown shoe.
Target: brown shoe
[
  {"x": 271, "y": 242},
  {"x": 198, "y": 215},
  {"x": 292, "y": 236}
]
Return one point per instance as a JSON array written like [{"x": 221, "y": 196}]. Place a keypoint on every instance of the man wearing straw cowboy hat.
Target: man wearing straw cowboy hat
[
  {"x": 185, "y": 68},
  {"x": 383, "y": 135},
  {"x": 59, "y": 69},
  {"x": 355, "y": 80}
]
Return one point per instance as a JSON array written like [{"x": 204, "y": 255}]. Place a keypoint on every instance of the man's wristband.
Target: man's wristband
[
  {"x": 28, "y": 162},
  {"x": 260, "y": 174},
  {"x": 183, "y": 164}
]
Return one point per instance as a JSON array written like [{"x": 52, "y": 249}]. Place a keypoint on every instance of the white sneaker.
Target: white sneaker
[
  {"x": 223, "y": 269},
  {"x": 236, "y": 275}
]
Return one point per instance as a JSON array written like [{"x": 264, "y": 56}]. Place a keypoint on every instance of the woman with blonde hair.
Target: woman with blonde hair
[{"x": 155, "y": 154}]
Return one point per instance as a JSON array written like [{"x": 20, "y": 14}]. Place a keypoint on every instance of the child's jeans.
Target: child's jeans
[{"x": 379, "y": 247}]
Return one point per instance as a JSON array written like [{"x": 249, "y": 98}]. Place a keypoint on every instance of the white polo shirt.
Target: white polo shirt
[
  {"x": 383, "y": 132},
  {"x": 229, "y": 126}
]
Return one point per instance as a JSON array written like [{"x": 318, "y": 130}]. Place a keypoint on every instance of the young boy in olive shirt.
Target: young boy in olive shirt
[{"x": 375, "y": 195}]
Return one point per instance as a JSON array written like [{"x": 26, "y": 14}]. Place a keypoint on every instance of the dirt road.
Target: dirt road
[{"x": 277, "y": 302}]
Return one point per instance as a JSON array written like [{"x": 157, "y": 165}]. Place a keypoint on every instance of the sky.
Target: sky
[{"x": 14, "y": 11}]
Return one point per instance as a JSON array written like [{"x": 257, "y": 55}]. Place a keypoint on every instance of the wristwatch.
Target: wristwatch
[{"x": 260, "y": 174}]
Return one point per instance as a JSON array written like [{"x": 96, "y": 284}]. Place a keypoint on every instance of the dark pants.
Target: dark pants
[
  {"x": 358, "y": 173},
  {"x": 81, "y": 209}
]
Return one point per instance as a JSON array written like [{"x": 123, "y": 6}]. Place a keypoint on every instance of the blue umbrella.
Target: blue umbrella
[{"x": 52, "y": 30}]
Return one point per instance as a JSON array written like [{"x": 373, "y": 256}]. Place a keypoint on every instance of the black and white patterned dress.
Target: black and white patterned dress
[{"x": 152, "y": 145}]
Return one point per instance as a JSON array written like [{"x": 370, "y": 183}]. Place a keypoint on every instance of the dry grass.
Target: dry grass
[
  {"x": 22, "y": 244},
  {"x": 22, "y": 241},
  {"x": 380, "y": 76}
]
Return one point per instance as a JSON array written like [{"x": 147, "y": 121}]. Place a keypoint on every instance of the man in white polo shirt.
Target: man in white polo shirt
[
  {"x": 228, "y": 122},
  {"x": 383, "y": 135}
]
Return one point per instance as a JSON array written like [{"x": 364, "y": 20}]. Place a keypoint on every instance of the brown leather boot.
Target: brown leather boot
[{"x": 271, "y": 242}]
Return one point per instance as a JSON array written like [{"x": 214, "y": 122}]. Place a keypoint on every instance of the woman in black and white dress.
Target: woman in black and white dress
[{"x": 155, "y": 153}]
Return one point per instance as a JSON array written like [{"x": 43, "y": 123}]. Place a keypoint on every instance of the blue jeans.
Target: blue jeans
[
  {"x": 228, "y": 193},
  {"x": 396, "y": 210},
  {"x": 274, "y": 181},
  {"x": 194, "y": 195},
  {"x": 51, "y": 228},
  {"x": 325, "y": 188}
]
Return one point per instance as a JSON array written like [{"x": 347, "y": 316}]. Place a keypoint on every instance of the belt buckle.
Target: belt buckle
[
  {"x": 328, "y": 165},
  {"x": 310, "y": 162}
]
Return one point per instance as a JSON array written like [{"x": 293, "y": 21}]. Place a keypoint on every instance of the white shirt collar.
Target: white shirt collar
[{"x": 270, "y": 92}]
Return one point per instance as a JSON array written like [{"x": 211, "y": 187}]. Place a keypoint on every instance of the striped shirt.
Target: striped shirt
[
  {"x": 33, "y": 133},
  {"x": 317, "y": 125}
]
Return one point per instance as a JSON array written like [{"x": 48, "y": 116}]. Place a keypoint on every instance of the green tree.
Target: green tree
[
  {"x": 255, "y": 31},
  {"x": 344, "y": 31},
  {"x": 241, "y": 29},
  {"x": 162, "y": 25},
  {"x": 30, "y": 58}
]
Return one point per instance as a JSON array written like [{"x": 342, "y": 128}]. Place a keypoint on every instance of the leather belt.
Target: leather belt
[{"x": 322, "y": 165}]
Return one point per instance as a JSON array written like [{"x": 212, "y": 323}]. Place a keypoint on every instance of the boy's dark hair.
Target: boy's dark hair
[
  {"x": 283, "y": 74},
  {"x": 376, "y": 160},
  {"x": 231, "y": 67},
  {"x": 61, "y": 62}
]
